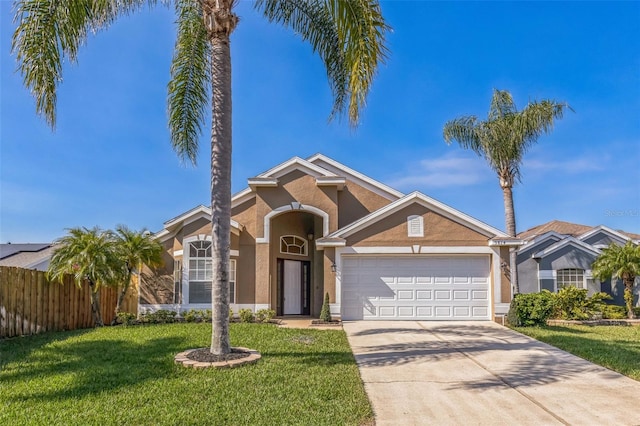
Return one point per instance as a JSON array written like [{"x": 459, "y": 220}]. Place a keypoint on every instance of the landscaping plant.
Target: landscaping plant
[
  {"x": 621, "y": 262},
  {"x": 325, "y": 312}
]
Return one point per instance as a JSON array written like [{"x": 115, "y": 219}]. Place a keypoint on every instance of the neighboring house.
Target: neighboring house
[
  {"x": 309, "y": 227},
  {"x": 558, "y": 254},
  {"x": 28, "y": 256}
]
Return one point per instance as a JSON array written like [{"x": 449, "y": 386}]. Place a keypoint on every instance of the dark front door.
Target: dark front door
[{"x": 294, "y": 283}]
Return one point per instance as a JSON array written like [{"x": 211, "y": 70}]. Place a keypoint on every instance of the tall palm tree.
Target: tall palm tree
[
  {"x": 135, "y": 248},
  {"x": 87, "y": 254},
  {"x": 619, "y": 262},
  {"x": 502, "y": 140},
  {"x": 349, "y": 36}
]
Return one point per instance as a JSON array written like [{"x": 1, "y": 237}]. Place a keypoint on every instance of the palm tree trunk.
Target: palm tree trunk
[
  {"x": 628, "y": 294},
  {"x": 95, "y": 305},
  {"x": 510, "y": 219},
  {"x": 121, "y": 295},
  {"x": 220, "y": 23}
]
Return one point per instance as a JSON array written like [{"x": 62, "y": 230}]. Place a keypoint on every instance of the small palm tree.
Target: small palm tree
[
  {"x": 349, "y": 36},
  {"x": 619, "y": 262},
  {"x": 91, "y": 255},
  {"x": 502, "y": 140},
  {"x": 135, "y": 248}
]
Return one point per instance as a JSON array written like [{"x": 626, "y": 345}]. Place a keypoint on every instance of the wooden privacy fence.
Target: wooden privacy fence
[{"x": 30, "y": 304}]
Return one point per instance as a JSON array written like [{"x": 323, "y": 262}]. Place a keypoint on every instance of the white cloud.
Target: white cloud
[
  {"x": 452, "y": 169},
  {"x": 570, "y": 165}
]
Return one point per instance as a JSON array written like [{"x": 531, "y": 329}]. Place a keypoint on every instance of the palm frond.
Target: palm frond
[
  {"x": 189, "y": 86},
  {"x": 348, "y": 35},
  {"x": 49, "y": 31}
]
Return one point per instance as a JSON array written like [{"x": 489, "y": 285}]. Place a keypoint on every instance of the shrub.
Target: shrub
[
  {"x": 230, "y": 314},
  {"x": 531, "y": 309},
  {"x": 158, "y": 317},
  {"x": 325, "y": 312},
  {"x": 265, "y": 315},
  {"x": 572, "y": 303},
  {"x": 246, "y": 315},
  {"x": 125, "y": 318},
  {"x": 614, "y": 312},
  {"x": 636, "y": 311},
  {"x": 197, "y": 315}
]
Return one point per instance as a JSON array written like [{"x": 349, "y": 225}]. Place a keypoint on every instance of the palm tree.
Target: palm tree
[
  {"x": 619, "y": 262},
  {"x": 87, "y": 254},
  {"x": 135, "y": 248},
  {"x": 502, "y": 140},
  {"x": 349, "y": 36}
]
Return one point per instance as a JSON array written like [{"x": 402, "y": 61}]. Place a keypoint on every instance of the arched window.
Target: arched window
[{"x": 292, "y": 244}]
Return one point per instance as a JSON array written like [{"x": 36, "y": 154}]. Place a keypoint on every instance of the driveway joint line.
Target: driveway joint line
[{"x": 521, "y": 392}]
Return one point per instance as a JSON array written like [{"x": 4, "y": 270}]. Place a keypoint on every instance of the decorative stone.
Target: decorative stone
[{"x": 254, "y": 356}]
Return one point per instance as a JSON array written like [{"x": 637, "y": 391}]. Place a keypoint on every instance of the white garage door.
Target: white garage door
[{"x": 425, "y": 288}]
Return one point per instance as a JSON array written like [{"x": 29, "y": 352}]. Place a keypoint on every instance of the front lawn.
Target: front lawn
[
  {"x": 126, "y": 375},
  {"x": 614, "y": 347}
]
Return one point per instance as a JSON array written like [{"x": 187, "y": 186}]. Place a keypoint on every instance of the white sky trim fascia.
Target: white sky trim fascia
[
  {"x": 242, "y": 196},
  {"x": 567, "y": 241},
  {"x": 296, "y": 163},
  {"x": 331, "y": 244},
  {"x": 435, "y": 250},
  {"x": 188, "y": 213},
  {"x": 606, "y": 230},
  {"x": 395, "y": 194},
  {"x": 540, "y": 239},
  {"x": 428, "y": 202}
]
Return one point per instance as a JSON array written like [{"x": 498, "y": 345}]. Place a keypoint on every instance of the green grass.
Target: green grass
[
  {"x": 118, "y": 375},
  {"x": 614, "y": 347}
]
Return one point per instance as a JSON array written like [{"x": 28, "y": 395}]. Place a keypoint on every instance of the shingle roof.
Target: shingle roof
[
  {"x": 7, "y": 250},
  {"x": 565, "y": 228},
  {"x": 26, "y": 258}
]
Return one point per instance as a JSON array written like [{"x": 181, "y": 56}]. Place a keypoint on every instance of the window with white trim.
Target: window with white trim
[
  {"x": 292, "y": 244},
  {"x": 570, "y": 277},
  {"x": 201, "y": 273},
  {"x": 232, "y": 281},
  {"x": 415, "y": 226}
]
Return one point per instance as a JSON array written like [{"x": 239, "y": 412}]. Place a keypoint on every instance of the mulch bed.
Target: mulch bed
[{"x": 204, "y": 355}]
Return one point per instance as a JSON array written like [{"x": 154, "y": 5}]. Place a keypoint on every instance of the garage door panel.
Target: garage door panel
[
  {"x": 443, "y": 294},
  {"x": 424, "y": 295},
  {"x": 405, "y": 295},
  {"x": 461, "y": 295},
  {"x": 436, "y": 287}
]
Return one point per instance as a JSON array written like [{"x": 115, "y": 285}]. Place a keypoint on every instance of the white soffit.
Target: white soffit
[
  {"x": 567, "y": 241},
  {"x": 606, "y": 230}
]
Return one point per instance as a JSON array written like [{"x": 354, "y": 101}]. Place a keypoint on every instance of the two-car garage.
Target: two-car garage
[{"x": 415, "y": 287}]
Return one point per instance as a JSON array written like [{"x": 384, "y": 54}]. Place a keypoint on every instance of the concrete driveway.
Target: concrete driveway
[{"x": 462, "y": 373}]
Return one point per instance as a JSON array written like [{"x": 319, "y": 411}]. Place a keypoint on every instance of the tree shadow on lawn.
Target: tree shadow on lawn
[{"x": 93, "y": 367}]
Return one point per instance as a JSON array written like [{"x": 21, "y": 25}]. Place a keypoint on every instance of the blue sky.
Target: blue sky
[{"x": 109, "y": 160}]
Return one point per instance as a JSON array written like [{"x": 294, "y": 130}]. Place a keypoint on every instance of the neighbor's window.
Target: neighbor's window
[
  {"x": 415, "y": 225},
  {"x": 291, "y": 244},
  {"x": 570, "y": 277},
  {"x": 200, "y": 272}
]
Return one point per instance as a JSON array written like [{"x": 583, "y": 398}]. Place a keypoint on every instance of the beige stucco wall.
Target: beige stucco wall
[
  {"x": 438, "y": 231},
  {"x": 355, "y": 202}
]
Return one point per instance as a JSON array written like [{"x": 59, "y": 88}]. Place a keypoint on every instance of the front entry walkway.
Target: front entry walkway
[{"x": 454, "y": 373}]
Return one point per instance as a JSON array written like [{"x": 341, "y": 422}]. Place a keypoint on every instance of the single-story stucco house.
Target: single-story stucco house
[
  {"x": 557, "y": 254},
  {"x": 312, "y": 226}
]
